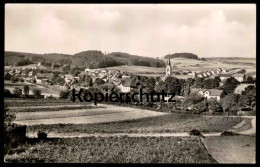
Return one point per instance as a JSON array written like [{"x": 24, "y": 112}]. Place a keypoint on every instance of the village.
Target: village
[
  {"x": 129, "y": 83},
  {"x": 125, "y": 82}
]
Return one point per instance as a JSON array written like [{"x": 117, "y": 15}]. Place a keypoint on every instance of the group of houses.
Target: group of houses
[
  {"x": 208, "y": 93},
  {"x": 211, "y": 74}
]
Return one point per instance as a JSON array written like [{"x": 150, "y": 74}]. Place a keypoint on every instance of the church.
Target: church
[{"x": 168, "y": 68}]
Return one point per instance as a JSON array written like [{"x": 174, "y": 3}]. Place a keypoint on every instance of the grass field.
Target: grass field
[
  {"x": 159, "y": 124},
  {"x": 116, "y": 150}
]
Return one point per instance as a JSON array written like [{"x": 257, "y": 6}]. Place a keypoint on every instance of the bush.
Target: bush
[
  {"x": 195, "y": 132},
  {"x": 42, "y": 135},
  {"x": 37, "y": 92},
  {"x": 228, "y": 133},
  {"x": 64, "y": 94},
  {"x": 17, "y": 91},
  {"x": 7, "y": 93},
  {"x": 50, "y": 97},
  {"x": 21, "y": 80},
  {"x": 14, "y": 79}
]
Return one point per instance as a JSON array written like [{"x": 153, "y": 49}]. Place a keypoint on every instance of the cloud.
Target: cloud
[{"x": 148, "y": 29}]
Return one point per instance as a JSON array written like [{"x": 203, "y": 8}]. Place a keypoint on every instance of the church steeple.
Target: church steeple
[
  {"x": 169, "y": 62},
  {"x": 168, "y": 68}
]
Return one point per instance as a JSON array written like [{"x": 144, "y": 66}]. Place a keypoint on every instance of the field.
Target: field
[
  {"x": 212, "y": 63},
  {"x": 170, "y": 123},
  {"x": 26, "y": 66},
  {"x": 62, "y": 118},
  {"x": 83, "y": 116},
  {"x": 116, "y": 150},
  {"x": 46, "y": 90},
  {"x": 138, "y": 69},
  {"x": 240, "y": 88},
  {"x": 53, "y": 115},
  {"x": 183, "y": 64},
  {"x": 226, "y": 149}
]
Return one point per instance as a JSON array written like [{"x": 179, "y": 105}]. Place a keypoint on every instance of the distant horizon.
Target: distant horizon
[
  {"x": 149, "y": 30},
  {"x": 123, "y": 52}
]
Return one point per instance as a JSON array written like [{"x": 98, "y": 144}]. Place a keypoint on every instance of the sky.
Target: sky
[{"x": 152, "y": 30}]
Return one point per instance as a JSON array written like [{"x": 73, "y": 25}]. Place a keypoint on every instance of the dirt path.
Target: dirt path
[
  {"x": 73, "y": 135},
  {"x": 252, "y": 131}
]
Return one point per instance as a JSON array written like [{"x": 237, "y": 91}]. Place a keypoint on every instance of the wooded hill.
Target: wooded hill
[
  {"x": 85, "y": 59},
  {"x": 181, "y": 55}
]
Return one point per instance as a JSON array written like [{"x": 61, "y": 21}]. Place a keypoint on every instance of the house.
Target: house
[
  {"x": 43, "y": 78},
  {"x": 201, "y": 91},
  {"x": 125, "y": 76},
  {"x": 126, "y": 85},
  {"x": 24, "y": 73},
  {"x": 224, "y": 71},
  {"x": 208, "y": 73},
  {"x": 224, "y": 76},
  {"x": 199, "y": 76},
  {"x": 68, "y": 78},
  {"x": 208, "y": 93},
  {"x": 213, "y": 94},
  {"x": 31, "y": 73},
  {"x": 204, "y": 74},
  {"x": 217, "y": 72},
  {"x": 240, "y": 77}
]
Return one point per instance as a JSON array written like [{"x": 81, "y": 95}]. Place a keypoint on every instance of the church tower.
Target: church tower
[{"x": 168, "y": 68}]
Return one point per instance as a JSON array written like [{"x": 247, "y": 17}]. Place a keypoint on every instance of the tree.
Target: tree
[
  {"x": 17, "y": 91},
  {"x": 230, "y": 103},
  {"x": 26, "y": 90},
  {"x": 198, "y": 83},
  {"x": 14, "y": 79},
  {"x": 21, "y": 80},
  {"x": 172, "y": 85},
  {"x": 241, "y": 71},
  {"x": 37, "y": 92},
  {"x": 250, "y": 79},
  {"x": 64, "y": 94},
  {"x": 192, "y": 100},
  {"x": 7, "y": 93},
  {"x": 248, "y": 97},
  {"x": 159, "y": 86},
  {"x": 230, "y": 84},
  {"x": 201, "y": 107},
  {"x": 88, "y": 80},
  {"x": 215, "y": 106},
  {"x": 150, "y": 84},
  {"x": 8, "y": 117},
  {"x": 211, "y": 83}
]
